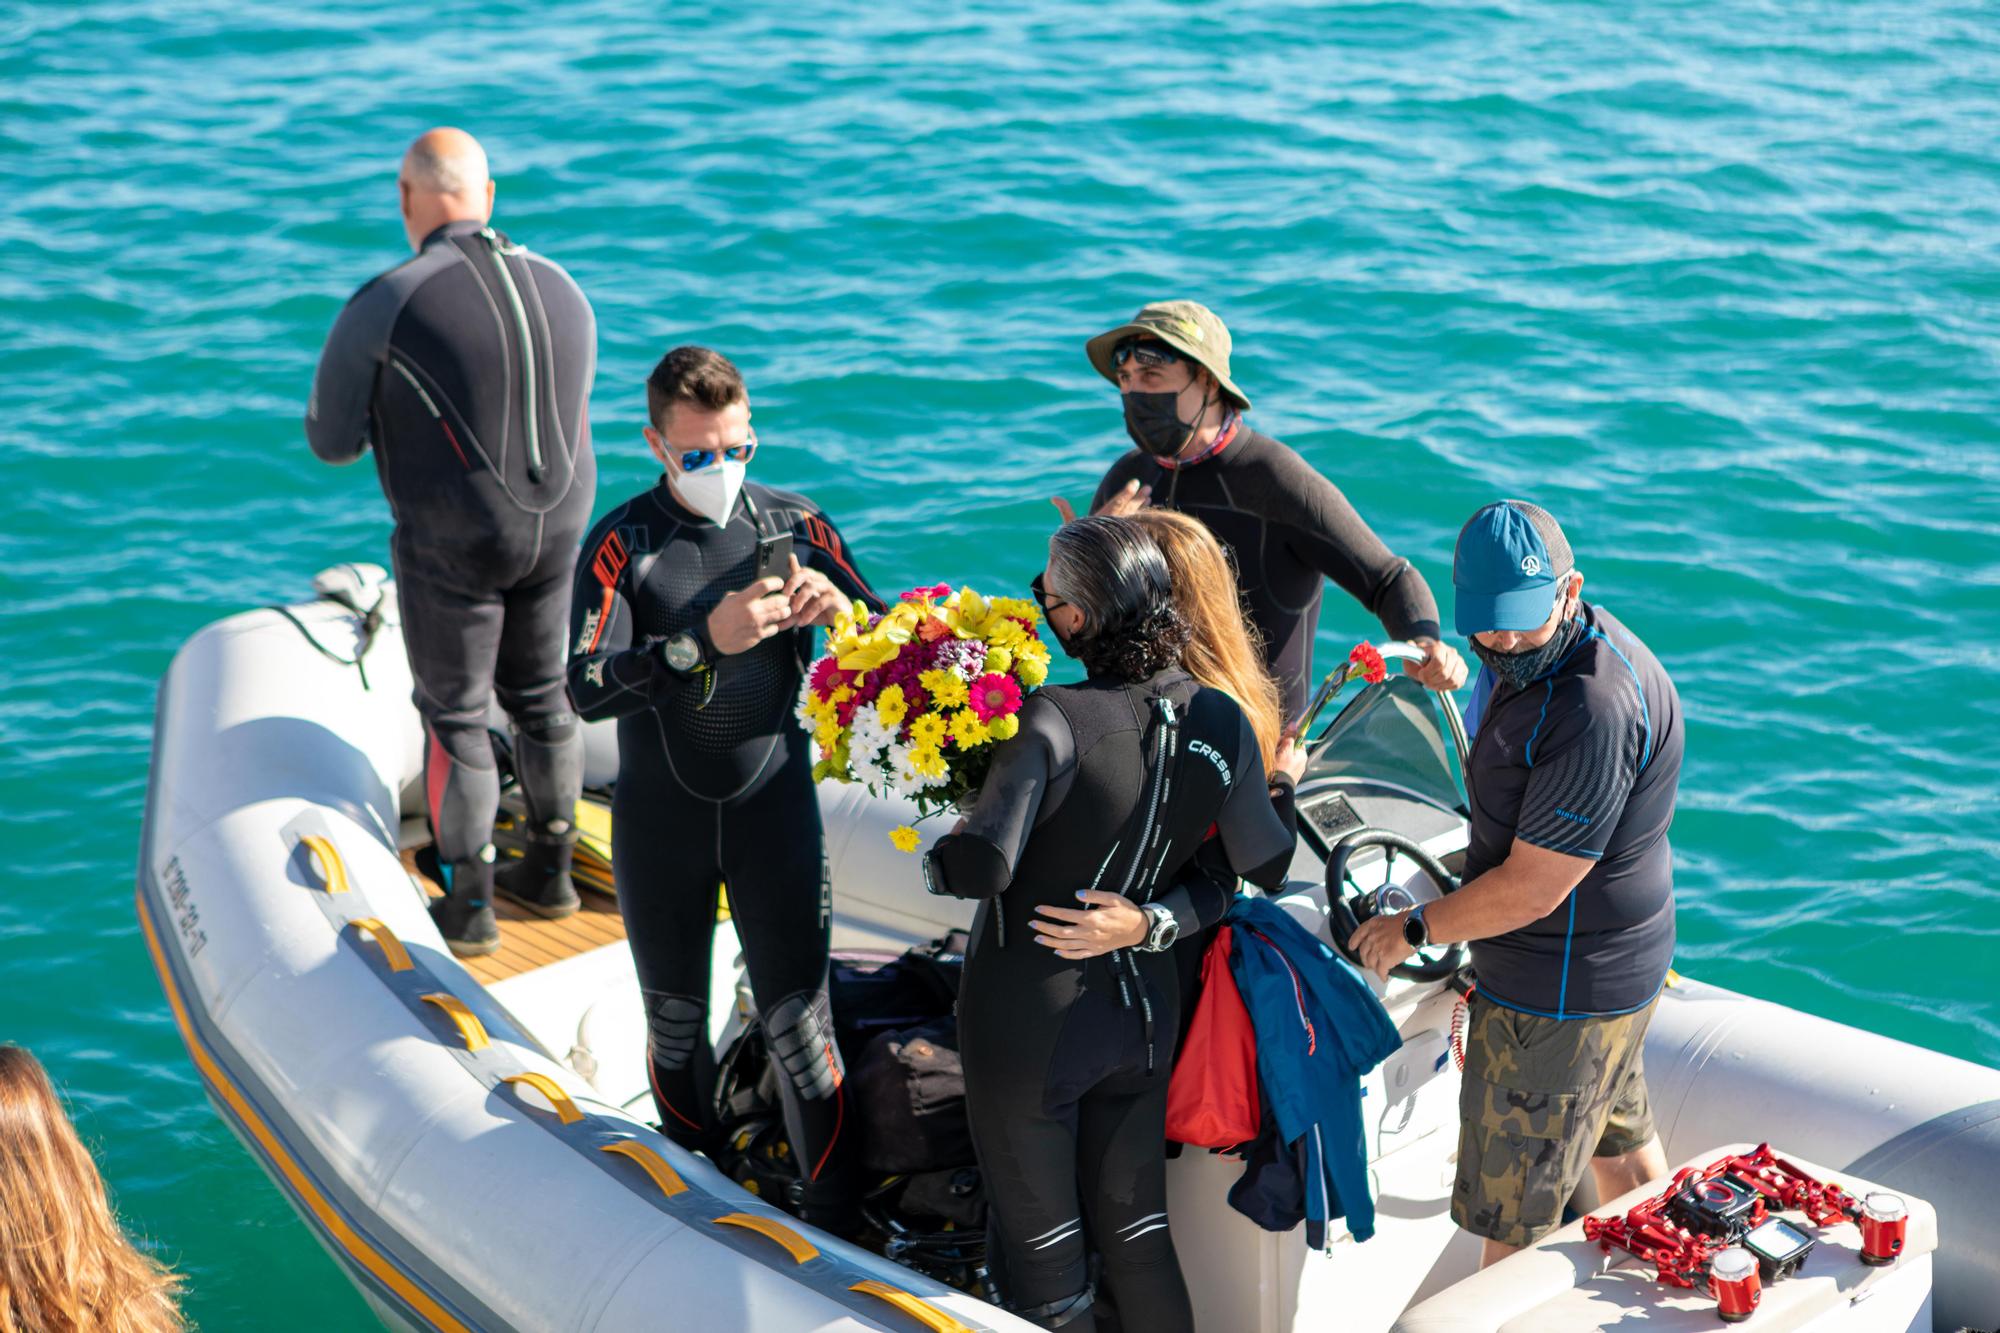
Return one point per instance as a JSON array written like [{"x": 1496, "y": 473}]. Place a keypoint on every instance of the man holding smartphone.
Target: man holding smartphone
[{"x": 691, "y": 622}]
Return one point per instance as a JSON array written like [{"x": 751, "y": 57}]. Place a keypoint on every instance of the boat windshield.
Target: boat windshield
[{"x": 1392, "y": 733}]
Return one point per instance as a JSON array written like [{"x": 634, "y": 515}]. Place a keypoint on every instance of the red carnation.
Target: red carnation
[{"x": 1370, "y": 661}]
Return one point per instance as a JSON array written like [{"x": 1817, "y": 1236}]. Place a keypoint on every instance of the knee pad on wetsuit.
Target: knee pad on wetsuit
[
  {"x": 675, "y": 1024},
  {"x": 799, "y": 1029},
  {"x": 548, "y": 760}
]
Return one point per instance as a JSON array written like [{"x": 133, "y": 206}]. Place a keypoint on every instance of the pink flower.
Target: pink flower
[
  {"x": 827, "y": 677},
  {"x": 994, "y": 695},
  {"x": 936, "y": 592}
]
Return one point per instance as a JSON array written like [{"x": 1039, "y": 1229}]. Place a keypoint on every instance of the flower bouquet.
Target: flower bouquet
[{"x": 911, "y": 701}]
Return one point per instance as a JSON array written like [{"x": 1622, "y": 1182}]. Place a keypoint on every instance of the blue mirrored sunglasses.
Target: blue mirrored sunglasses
[{"x": 694, "y": 460}]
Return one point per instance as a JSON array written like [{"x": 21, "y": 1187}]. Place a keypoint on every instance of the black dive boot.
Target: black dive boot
[
  {"x": 540, "y": 880},
  {"x": 464, "y": 916}
]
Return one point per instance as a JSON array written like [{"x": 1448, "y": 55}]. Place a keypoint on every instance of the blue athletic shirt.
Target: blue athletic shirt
[{"x": 1584, "y": 761}]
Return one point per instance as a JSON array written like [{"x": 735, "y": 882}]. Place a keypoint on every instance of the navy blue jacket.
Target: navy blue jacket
[{"x": 1319, "y": 1029}]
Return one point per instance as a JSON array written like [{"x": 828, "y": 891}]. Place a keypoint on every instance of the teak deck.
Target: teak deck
[{"x": 528, "y": 942}]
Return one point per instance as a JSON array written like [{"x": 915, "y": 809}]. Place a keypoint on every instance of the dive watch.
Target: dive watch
[
  {"x": 1415, "y": 933},
  {"x": 684, "y": 652},
  {"x": 1160, "y": 936}
]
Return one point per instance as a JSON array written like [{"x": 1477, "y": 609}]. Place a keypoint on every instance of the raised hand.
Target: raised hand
[{"x": 748, "y": 616}]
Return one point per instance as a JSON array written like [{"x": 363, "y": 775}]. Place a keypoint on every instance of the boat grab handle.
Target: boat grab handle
[
  {"x": 914, "y": 1306},
  {"x": 664, "y": 1176},
  {"x": 467, "y": 1022},
  {"x": 392, "y": 948},
  {"x": 795, "y": 1245},
  {"x": 321, "y": 851},
  {"x": 565, "y": 1108}
]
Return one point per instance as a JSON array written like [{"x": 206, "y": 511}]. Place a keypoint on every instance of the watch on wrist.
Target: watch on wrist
[
  {"x": 1415, "y": 933},
  {"x": 1165, "y": 929},
  {"x": 683, "y": 652}
]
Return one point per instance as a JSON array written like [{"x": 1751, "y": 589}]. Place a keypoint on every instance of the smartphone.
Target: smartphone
[{"x": 774, "y": 557}]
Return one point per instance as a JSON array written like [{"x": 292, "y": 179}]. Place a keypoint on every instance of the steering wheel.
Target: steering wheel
[{"x": 1348, "y": 904}]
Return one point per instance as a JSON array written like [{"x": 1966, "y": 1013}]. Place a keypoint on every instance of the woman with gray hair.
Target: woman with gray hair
[{"x": 1081, "y": 849}]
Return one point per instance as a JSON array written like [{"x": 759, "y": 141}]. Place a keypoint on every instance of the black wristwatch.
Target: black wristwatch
[
  {"x": 686, "y": 652},
  {"x": 1164, "y": 931},
  {"x": 1415, "y": 933}
]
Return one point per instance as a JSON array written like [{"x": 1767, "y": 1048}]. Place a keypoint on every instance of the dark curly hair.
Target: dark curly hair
[{"x": 1116, "y": 575}]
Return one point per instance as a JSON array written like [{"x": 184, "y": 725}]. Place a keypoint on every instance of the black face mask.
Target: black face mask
[
  {"x": 1063, "y": 641},
  {"x": 1153, "y": 420},
  {"x": 1524, "y": 668}
]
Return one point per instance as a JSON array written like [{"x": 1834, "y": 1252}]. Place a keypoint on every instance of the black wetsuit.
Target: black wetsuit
[
  {"x": 1288, "y": 528},
  {"x": 468, "y": 370},
  {"x": 714, "y": 786},
  {"x": 1066, "y": 1063}
]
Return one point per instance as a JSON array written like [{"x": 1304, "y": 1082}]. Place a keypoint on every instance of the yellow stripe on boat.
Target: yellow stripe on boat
[
  {"x": 322, "y": 852},
  {"x": 469, "y": 1026},
  {"x": 914, "y": 1306},
  {"x": 302, "y": 1186},
  {"x": 392, "y": 948},
  {"x": 564, "y": 1107},
  {"x": 795, "y": 1245},
  {"x": 663, "y": 1175}
]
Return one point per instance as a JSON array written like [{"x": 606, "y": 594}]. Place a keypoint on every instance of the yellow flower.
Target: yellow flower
[
  {"x": 928, "y": 731},
  {"x": 827, "y": 734},
  {"x": 927, "y": 761},
  {"x": 891, "y": 704},
  {"x": 999, "y": 661},
  {"x": 968, "y": 730},
  {"x": 1004, "y": 633},
  {"x": 905, "y": 838},
  {"x": 946, "y": 690},
  {"x": 1032, "y": 671},
  {"x": 1019, "y": 607},
  {"x": 1005, "y": 728},
  {"x": 870, "y": 653}
]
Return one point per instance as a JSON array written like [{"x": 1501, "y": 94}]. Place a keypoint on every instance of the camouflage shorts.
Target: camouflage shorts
[{"x": 1541, "y": 1097}]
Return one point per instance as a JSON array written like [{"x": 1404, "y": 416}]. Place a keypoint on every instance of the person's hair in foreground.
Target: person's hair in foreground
[
  {"x": 64, "y": 1265},
  {"x": 1115, "y": 574},
  {"x": 1223, "y": 653}
]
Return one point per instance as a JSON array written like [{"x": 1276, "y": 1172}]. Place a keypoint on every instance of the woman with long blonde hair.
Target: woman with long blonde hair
[
  {"x": 1224, "y": 653},
  {"x": 64, "y": 1265}
]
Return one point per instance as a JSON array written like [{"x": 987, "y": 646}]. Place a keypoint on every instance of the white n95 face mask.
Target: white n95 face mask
[{"x": 712, "y": 491}]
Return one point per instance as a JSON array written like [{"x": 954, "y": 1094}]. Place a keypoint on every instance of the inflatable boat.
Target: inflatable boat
[{"x": 471, "y": 1141}]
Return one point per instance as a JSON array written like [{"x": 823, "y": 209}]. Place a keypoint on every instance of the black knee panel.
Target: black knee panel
[
  {"x": 548, "y": 760},
  {"x": 674, "y": 1025},
  {"x": 799, "y": 1029}
]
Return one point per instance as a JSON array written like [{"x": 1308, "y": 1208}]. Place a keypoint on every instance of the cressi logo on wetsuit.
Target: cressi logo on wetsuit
[{"x": 1288, "y": 529}]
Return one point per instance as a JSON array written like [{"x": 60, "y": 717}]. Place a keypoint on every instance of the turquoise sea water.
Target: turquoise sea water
[{"x": 1714, "y": 282}]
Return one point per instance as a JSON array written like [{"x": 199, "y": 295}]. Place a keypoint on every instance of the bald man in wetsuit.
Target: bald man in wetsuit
[
  {"x": 467, "y": 370},
  {"x": 1287, "y": 527}
]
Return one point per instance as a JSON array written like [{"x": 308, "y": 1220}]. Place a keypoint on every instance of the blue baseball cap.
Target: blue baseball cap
[{"x": 1511, "y": 558}]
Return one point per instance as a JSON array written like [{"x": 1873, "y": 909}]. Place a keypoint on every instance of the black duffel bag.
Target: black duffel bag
[{"x": 909, "y": 1094}]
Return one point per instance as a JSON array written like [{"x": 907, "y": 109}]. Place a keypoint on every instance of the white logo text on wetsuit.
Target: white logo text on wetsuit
[{"x": 1207, "y": 751}]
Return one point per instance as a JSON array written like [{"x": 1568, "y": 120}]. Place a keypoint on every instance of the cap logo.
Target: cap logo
[
  {"x": 1531, "y": 565},
  {"x": 1188, "y": 329}
]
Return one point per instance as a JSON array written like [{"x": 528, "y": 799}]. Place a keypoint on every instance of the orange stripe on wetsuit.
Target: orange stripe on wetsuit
[{"x": 607, "y": 565}]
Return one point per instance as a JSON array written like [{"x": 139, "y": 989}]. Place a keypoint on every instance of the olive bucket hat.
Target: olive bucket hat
[{"x": 1188, "y": 327}]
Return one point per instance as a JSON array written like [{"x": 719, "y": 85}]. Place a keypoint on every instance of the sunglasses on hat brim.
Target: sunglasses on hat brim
[{"x": 1147, "y": 352}]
